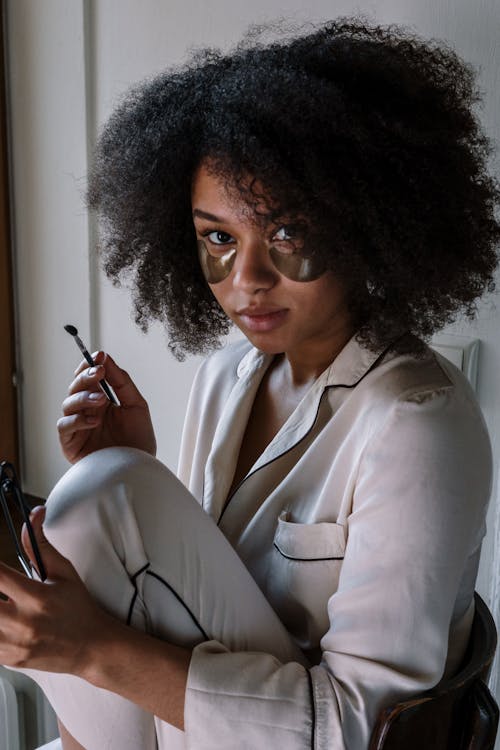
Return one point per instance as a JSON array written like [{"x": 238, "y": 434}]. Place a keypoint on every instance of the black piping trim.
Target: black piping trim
[
  {"x": 313, "y": 710},
  {"x": 336, "y": 385},
  {"x": 141, "y": 570},
  {"x": 268, "y": 464},
  {"x": 131, "y": 608},
  {"x": 159, "y": 578},
  {"x": 134, "y": 597},
  {"x": 306, "y": 559}
]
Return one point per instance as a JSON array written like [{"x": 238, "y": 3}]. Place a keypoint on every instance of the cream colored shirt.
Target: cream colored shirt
[{"x": 362, "y": 523}]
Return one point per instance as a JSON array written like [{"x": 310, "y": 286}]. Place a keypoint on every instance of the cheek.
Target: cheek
[
  {"x": 330, "y": 288},
  {"x": 322, "y": 297}
]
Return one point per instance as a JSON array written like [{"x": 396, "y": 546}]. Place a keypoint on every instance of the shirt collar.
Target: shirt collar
[{"x": 349, "y": 366}]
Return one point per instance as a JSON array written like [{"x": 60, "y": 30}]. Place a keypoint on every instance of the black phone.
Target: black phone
[{"x": 11, "y": 489}]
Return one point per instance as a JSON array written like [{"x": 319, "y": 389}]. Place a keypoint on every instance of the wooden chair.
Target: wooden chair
[{"x": 460, "y": 714}]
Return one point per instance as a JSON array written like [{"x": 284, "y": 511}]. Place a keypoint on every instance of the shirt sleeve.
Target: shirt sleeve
[{"x": 413, "y": 543}]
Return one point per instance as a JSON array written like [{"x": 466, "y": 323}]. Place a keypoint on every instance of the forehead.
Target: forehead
[{"x": 220, "y": 195}]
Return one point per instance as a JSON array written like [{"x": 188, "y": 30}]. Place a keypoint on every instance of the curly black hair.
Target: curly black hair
[{"x": 368, "y": 131}]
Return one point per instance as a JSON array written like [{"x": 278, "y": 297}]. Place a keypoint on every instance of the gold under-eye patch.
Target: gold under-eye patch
[
  {"x": 215, "y": 268},
  {"x": 295, "y": 266}
]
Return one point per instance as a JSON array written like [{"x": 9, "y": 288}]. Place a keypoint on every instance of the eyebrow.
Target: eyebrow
[{"x": 205, "y": 215}]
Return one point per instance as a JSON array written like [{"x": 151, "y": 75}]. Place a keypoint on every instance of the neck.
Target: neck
[{"x": 306, "y": 364}]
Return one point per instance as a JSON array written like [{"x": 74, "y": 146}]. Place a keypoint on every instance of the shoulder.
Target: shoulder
[
  {"x": 423, "y": 395},
  {"x": 225, "y": 362},
  {"x": 215, "y": 379},
  {"x": 427, "y": 403},
  {"x": 218, "y": 374},
  {"x": 425, "y": 378},
  {"x": 223, "y": 368},
  {"x": 422, "y": 441}
]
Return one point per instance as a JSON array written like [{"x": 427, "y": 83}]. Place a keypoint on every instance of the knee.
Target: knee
[
  {"x": 109, "y": 500},
  {"x": 93, "y": 485},
  {"x": 90, "y": 512}
]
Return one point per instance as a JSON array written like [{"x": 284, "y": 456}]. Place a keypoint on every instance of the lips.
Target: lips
[
  {"x": 262, "y": 319},
  {"x": 257, "y": 311}
]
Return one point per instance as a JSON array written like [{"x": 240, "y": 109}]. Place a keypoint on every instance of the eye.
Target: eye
[
  {"x": 289, "y": 239},
  {"x": 286, "y": 232},
  {"x": 219, "y": 238}
]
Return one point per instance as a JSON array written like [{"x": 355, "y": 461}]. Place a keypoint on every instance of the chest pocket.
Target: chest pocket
[{"x": 303, "y": 574}]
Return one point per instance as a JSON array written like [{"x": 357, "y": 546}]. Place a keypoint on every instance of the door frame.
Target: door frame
[{"x": 9, "y": 432}]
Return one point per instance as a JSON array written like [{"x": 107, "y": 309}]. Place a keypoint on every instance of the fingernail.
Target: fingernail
[
  {"x": 92, "y": 371},
  {"x": 97, "y": 396},
  {"x": 34, "y": 511}
]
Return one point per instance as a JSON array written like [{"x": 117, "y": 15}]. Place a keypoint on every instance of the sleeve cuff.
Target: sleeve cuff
[{"x": 246, "y": 700}]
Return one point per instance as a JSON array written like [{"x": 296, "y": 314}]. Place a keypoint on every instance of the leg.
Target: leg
[{"x": 153, "y": 558}]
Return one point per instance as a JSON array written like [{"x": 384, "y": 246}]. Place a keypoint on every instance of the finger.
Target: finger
[
  {"x": 88, "y": 376},
  {"x": 37, "y": 516},
  {"x": 87, "y": 379},
  {"x": 122, "y": 384},
  {"x": 98, "y": 358},
  {"x": 68, "y": 426},
  {"x": 84, "y": 401},
  {"x": 56, "y": 565},
  {"x": 14, "y": 584}
]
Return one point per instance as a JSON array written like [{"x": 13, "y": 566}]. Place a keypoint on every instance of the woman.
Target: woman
[{"x": 328, "y": 194}]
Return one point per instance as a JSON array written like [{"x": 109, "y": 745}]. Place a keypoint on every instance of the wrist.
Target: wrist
[
  {"x": 128, "y": 662},
  {"x": 99, "y": 652}
]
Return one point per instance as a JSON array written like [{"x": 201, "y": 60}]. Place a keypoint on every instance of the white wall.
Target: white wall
[
  {"x": 69, "y": 62},
  {"x": 48, "y": 140}
]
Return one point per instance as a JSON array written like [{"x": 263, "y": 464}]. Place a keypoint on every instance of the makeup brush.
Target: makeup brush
[{"x": 105, "y": 387}]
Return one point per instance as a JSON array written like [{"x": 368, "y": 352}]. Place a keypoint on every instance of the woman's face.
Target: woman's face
[{"x": 277, "y": 314}]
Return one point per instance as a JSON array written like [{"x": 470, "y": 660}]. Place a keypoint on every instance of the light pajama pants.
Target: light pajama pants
[{"x": 152, "y": 557}]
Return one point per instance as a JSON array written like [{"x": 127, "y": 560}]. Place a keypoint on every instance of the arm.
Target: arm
[
  {"x": 57, "y": 626},
  {"x": 418, "y": 512},
  {"x": 143, "y": 669},
  {"x": 417, "y": 520}
]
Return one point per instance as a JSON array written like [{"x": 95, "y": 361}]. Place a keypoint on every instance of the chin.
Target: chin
[{"x": 266, "y": 344}]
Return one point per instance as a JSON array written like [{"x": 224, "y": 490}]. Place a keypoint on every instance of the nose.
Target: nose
[{"x": 253, "y": 269}]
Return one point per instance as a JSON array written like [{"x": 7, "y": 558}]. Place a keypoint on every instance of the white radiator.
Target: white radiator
[
  {"x": 26, "y": 719},
  {"x": 9, "y": 717}
]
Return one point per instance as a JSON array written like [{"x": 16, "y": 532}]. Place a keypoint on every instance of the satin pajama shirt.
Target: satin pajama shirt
[{"x": 362, "y": 524}]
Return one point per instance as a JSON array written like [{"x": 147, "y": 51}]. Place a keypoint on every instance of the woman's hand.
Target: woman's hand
[
  {"x": 57, "y": 626},
  {"x": 91, "y": 422},
  {"x": 51, "y": 626}
]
